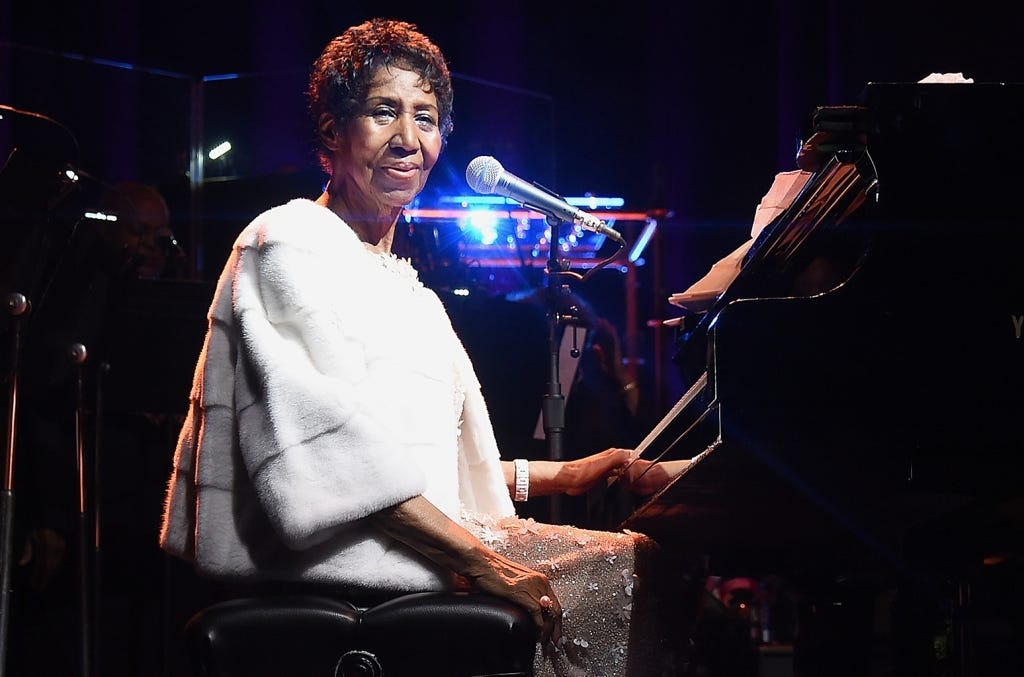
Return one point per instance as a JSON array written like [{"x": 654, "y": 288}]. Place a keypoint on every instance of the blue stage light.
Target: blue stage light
[{"x": 484, "y": 224}]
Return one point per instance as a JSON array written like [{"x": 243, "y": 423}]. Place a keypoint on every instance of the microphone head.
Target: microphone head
[{"x": 483, "y": 173}]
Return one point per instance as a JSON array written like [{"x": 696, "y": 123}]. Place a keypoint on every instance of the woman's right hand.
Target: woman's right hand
[
  {"x": 505, "y": 578},
  {"x": 420, "y": 525}
]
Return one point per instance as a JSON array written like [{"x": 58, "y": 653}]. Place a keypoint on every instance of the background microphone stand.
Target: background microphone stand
[
  {"x": 77, "y": 355},
  {"x": 18, "y": 308}
]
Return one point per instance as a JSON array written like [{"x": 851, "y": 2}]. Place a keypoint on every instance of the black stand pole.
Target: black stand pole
[
  {"x": 560, "y": 311},
  {"x": 553, "y": 408},
  {"x": 77, "y": 354},
  {"x": 97, "y": 571},
  {"x": 18, "y": 308}
]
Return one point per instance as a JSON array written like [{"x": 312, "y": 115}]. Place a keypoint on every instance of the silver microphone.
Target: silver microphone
[{"x": 485, "y": 175}]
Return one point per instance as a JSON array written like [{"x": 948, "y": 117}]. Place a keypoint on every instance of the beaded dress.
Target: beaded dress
[
  {"x": 609, "y": 625},
  {"x": 609, "y": 621}
]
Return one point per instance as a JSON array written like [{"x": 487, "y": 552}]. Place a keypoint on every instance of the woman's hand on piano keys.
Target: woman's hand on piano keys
[
  {"x": 647, "y": 477},
  {"x": 580, "y": 475}
]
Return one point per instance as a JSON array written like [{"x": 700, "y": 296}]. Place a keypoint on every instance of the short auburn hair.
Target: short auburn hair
[{"x": 344, "y": 71}]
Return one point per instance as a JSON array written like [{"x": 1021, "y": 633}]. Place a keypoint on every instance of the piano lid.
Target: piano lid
[
  {"x": 946, "y": 150},
  {"x": 857, "y": 417}
]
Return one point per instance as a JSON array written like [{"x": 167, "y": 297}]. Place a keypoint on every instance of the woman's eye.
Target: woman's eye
[
  {"x": 426, "y": 120},
  {"x": 382, "y": 114}
]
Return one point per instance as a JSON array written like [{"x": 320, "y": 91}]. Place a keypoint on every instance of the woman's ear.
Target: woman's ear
[{"x": 328, "y": 131}]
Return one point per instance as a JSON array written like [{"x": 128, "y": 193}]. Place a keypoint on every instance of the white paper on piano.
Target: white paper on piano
[
  {"x": 702, "y": 293},
  {"x": 946, "y": 78}
]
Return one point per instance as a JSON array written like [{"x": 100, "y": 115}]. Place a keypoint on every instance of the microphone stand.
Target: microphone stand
[
  {"x": 18, "y": 307},
  {"x": 77, "y": 354},
  {"x": 97, "y": 571},
  {"x": 559, "y": 313},
  {"x": 553, "y": 408}
]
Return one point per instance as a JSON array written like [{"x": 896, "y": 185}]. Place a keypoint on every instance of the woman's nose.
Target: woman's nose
[{"x": 405, "y": 134}]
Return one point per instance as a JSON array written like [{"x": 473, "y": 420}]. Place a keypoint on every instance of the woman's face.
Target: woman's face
[{"x": 388, "y": 148}]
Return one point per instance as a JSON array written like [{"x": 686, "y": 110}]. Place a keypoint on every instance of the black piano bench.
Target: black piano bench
[{"x": 430, "y": 633}]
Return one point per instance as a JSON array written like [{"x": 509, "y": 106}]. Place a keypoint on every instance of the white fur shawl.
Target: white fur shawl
[{"x": 330, "y": 385}]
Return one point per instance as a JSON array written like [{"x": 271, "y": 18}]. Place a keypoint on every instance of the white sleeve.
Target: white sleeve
[{"x": 312, "y": 406}]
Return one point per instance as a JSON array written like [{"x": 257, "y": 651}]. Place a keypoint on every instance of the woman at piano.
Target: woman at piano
[{"x": 322, "y": 445}]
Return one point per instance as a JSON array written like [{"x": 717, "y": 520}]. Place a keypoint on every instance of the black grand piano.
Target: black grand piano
[{"x": 854, "y": 417}]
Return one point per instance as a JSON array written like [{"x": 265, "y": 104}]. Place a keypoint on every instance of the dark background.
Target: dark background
[
  {"x": 689, "y": 107},
  {"x": 686, "y": 107}
]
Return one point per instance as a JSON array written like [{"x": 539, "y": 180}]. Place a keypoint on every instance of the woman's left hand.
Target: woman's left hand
[{"x": 580, "y": 475}]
